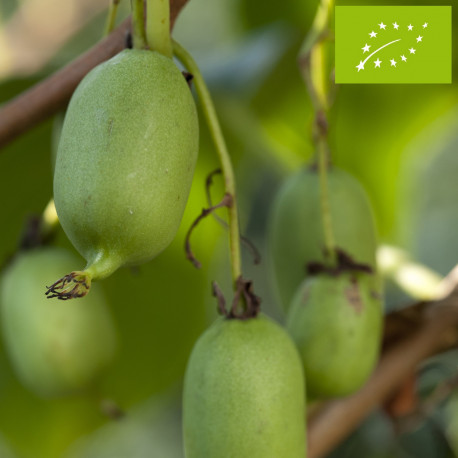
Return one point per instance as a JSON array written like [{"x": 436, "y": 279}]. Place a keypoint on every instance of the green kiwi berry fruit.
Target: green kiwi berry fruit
[
  {"x": 125, "y": 164},
  {"x": 296, "y": 235},
  {"x": 244, "y": 393},
  {"x": 55, "y": 348},
  {"x": 335, "y": 319}
]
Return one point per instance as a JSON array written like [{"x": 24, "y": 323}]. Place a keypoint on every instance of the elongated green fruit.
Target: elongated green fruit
[
  {"x": 336, "y": 323},
  {"x": 125, "y": 163},
  {"x": 55, "y": 348},
  {"x": 296, "y": 235},
  {"x": 244, "y": 393}
]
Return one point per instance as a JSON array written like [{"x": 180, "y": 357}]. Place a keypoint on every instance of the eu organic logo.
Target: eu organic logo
[
  {"x": 393, "y": 44},
  {"x": 396, "y": 28}
]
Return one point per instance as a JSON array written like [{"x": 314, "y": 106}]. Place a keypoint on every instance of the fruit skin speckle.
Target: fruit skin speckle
[
  {"x": 244, "y": 393},
  {"x": 129, "y": 121}
]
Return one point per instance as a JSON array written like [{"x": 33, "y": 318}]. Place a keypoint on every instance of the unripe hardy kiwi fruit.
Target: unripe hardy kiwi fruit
[
  {"x": 244, "y": 393},
  {"x": 336, "y": 323},
  {"x": 296, "y": 235},
  {"x": 55, "y": 348},
  {"x": 125, "y": 162}
]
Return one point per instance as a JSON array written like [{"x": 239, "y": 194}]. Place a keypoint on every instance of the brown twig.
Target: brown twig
[
  {"x": 51, "y": 95},
  {"x": 426, "y": 408},
  {"x": 435, "y": 331}
]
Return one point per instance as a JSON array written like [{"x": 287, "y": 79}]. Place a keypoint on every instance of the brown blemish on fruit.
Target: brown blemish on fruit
[
  {"x": 354, "y": 297},
  {"x": 375, "y": 295},
  {"x": 305, "y": 296}
]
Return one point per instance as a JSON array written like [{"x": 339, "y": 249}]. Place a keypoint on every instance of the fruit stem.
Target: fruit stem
[
  {"x": 329, "y": 241},
  {"x": 158, "y": 26},
  {"x": 312, "y": 64},
  {"x": 221, "y": 148},
  {"x": 111, "y": 17},
  {"x": 311, "y": 59},
  {"x": 138, "y": 24}
]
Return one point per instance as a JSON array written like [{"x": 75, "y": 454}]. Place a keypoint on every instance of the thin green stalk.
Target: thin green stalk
[
  {"x": 319, "y": 27},
  {"x": 111, "y": 17},
  {"x": 318, "y": 78},
  {"x": 138, "y": 24},
  {"x": 311, "y": 59},
  {"x": 225, "y": 160},
  {"x": 312, "y": 64},
  {"x": 329, "y": 241},
  {"x": 158, "y": 26}
]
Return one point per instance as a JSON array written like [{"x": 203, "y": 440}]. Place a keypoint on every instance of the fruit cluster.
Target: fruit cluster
[{"x": 123, "y": 172}]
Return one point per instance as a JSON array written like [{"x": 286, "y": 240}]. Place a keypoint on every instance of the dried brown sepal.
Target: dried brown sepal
[
  {"x": 250, "y": 245},
  {"x": 188, "y": 77},
  {"x": 245, "y": 304},
  {"x": 345, "y": 263},
  {"x": 128, "y": 41},
  {"x": 216, "y": 291},
  {"x": 226, "y": 202},
  {"x": 71, "y": 286}
]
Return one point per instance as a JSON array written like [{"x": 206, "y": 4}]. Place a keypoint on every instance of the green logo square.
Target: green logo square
[{"x": 393, "y": 44}]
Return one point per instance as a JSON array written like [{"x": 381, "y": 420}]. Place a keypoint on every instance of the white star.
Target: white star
[
  {"x": 404, "y": 58},
  {"x": 393, "y": 63},
  {"x": 425, "y": 25},
  {"x": 366, "y": 48},
  {"x": 377, "y": 63},
  {"x": 360, "y": 66},
  {"x": 412, "y": 51},
  {"x": 373, "y": 34},
  {"x": 382, "y": 25},
  {"x": 419, "y": 38},
  {"x": 396, "y": 26},
  {"x": 410, "y": 27}
]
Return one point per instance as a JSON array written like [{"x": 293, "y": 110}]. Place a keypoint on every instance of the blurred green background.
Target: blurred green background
[{"x": 400, "y": 141}]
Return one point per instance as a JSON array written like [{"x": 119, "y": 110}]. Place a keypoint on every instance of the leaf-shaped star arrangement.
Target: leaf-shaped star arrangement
[{"x": 395, "y": 29}]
